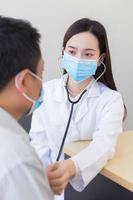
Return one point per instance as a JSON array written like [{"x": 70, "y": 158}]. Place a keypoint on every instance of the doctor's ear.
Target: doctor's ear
[
  {"x": 101, "y": 60},
  {"x": 21, "y": 80}
]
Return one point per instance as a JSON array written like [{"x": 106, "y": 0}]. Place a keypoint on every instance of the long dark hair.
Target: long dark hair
[{"x": 98, "y": 30}]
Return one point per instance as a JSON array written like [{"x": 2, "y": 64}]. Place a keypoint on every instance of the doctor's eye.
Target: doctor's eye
[
  {"x": 89, "y": 55},
  {"x": 71, "y": 52}
]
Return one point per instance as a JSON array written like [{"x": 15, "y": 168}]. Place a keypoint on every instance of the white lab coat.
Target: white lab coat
[
  {"x": 21, "y": 172},
  {"x": 98, "y": 117}
]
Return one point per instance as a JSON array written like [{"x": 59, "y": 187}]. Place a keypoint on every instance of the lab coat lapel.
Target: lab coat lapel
[
  {"x": 83, "y": 106},
  {"x": 60, "y": 95},
  {"x": 81, "y": 111}
]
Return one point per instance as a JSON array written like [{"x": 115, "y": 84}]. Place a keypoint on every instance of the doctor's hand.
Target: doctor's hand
[{"x": 59, "y": 174}]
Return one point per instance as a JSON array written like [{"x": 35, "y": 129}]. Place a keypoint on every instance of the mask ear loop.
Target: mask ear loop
[
  {"x": 28, "y": 98},
  {"x": 64, "y": 80},
  {"x": 36, "y": 76}
]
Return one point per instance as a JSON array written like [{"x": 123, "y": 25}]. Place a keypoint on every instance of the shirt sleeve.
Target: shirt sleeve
[
  {"x": 25, "y": 182},
  {"x": 38, "y": 136},
  {"x": 90, "y": 161}
]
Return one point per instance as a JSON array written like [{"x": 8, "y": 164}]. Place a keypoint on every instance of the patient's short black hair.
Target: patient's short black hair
[{"x": 19, "y": 48}]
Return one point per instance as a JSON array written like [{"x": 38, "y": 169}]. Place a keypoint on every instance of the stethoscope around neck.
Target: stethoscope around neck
[
  {"x": 70, "y": 117},
  {"x": 71, "y": 110}
]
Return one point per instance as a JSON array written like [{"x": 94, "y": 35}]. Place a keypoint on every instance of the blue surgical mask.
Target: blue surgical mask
[
  {"x": 78, "y": 69},
  {"x": 35, "y": 103}
]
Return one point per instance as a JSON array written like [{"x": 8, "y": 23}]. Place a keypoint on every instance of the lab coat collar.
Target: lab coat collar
[
  {"x": 60, "y": 93},
  {"x": 93, "y": 89},
  {"x": 8, "y": 122}
]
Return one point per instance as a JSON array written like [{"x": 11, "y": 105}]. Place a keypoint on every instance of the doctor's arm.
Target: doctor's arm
[{"x": 90, "y": 161}]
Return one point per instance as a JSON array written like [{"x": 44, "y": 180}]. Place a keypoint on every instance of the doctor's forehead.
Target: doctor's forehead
[{"x": 84, "y": 40}]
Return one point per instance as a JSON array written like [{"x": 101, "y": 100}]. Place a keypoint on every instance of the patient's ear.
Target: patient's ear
[{"x": 21, "y": 80}]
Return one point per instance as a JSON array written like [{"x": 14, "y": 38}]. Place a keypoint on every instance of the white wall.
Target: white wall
[{"x": 53, "y": 17}]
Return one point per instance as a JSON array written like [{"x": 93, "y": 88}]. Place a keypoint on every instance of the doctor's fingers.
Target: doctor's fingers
[
  {"x": 59, "y": 181},
  {"x": 59, "y": 172},
  {"x": 59, "y": 189},
  {"x": 53, "y": 167}
]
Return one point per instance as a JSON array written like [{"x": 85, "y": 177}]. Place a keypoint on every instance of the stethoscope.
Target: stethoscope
[
  {"x": 71, "y": 110},
  {"x": 69, "y": 119}
]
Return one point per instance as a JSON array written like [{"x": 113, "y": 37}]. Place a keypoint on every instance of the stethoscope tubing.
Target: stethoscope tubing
[{"x": 69, "y": 120}]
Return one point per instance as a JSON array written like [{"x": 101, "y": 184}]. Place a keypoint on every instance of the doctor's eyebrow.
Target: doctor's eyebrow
[
  {"x": 87, "y": 49},
  {"x": 72, "y": 47}
]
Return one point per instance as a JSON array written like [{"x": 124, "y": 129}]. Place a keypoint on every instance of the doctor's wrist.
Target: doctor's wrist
[{"x": 71, "y": 167}]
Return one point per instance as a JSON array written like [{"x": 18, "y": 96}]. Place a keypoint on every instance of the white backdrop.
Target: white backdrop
[{"x": 53, "y": 17}]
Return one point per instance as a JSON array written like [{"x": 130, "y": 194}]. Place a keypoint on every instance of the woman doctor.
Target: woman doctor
[{"x": 97, "y": 116}]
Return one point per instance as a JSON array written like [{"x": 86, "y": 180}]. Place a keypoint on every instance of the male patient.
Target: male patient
[{"x": 21, "y": 66}]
